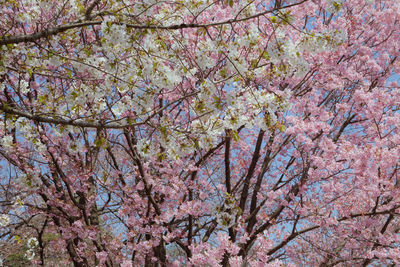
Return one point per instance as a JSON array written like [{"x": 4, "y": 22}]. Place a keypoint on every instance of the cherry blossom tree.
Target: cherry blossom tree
[{"x": 200, "y": 132}]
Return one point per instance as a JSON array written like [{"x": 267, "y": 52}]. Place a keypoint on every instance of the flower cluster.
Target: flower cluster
[
  {"x": 32, "y": 243},
  {"x": 228, "y": 214},
  {"x": 4, "y": 220}
]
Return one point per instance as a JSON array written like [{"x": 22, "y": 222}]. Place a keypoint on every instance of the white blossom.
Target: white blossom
[
  {"x": 333, "y": 6},
  {"x": 29, "y": 254},
  {"x": 7, "y": 143},
  {"x": 24, "y": 87},
  {"x": 32, "y": 242},
  {"x": 4, "y": 220},
  {"x": 118, "y": 108}
]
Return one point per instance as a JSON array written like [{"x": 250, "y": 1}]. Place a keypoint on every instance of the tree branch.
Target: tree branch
[{"x": 62, "y": 28}]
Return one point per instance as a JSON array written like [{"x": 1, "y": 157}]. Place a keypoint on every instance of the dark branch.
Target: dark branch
[{"x": 58, "y": 29}]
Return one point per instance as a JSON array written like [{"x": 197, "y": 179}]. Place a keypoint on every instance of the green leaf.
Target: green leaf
[
  {"x": 267, "y": 120},
  {"x": 238, "y": 211},
  {"x": 18, "y": 239},
  {"x": 223, "y": 73},
  {"x": 337, "y": 5},
  {"x": 161, "y": 156},
  {"x": 100, "y": 142},
  {"x": 235, "y": 136},
  {"x": 254, "y": 63},
  {"x": 202, "y": 31},
  {"x": 217, "y": 102},
  {"x": 163, "y": 131},
  {"x": 265, "y": 55},
  {"x": 200, "y": 106}
]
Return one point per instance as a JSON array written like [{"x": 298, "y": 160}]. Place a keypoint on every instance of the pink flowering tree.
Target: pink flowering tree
[{"x": 200, "y": 132}]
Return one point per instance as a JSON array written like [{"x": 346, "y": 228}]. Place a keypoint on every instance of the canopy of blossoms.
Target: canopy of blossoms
[{"x": 200, "y": 132}]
